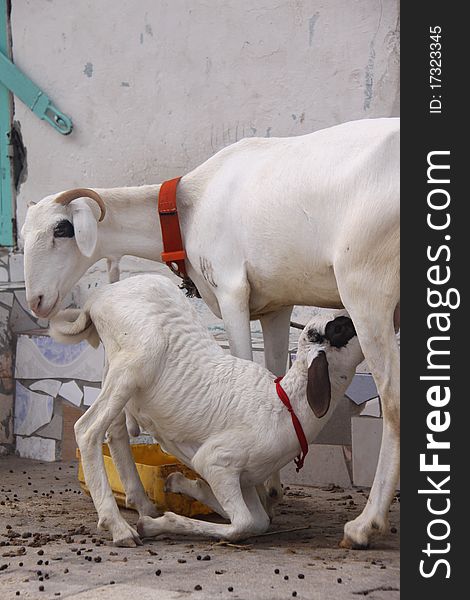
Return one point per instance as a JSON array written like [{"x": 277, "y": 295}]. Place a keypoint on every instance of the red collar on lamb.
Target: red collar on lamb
[
  {"x": 299, "y": 461},
  {"x": 173, "y": 251}
]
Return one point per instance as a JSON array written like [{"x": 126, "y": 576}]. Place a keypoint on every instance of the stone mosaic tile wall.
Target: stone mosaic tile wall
[
  {"x": 6, "y": 357},
  {"x": 37, "y": 375},
  {"x": 47, "y": 375}
]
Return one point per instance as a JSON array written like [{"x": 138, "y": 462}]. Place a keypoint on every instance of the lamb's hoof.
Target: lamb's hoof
[
  {"x": 267, "y": 502},
  {"x": 274, "y": 490},
  {"x": 173, "y": 482},
  {"x": 126, "y": 537},
  {"x": 129, "y": 542},
  {"x": 144, "y": 527}
]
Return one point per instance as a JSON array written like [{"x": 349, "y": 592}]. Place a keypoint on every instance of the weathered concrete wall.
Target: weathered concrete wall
[{"x": 156, "y": 87}]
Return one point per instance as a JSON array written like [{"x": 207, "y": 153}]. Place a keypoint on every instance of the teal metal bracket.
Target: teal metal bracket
[
  {"x": 6, "y": 188},
  {"x": 34, "y": 98}
]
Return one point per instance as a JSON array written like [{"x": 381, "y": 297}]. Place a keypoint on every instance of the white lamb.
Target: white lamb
[{"x": 220, "y": 415}]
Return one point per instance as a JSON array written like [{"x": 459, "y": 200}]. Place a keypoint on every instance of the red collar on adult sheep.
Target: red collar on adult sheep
[{"x": 173, "y": 251}]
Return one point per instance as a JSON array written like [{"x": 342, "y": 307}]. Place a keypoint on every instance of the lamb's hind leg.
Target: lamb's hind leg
[
  {"x": 195, "y": 488},
  {"x": 118, "y": 441},
  {"x": 246, "y": 514},
  {"x": 372, "y": 313}
]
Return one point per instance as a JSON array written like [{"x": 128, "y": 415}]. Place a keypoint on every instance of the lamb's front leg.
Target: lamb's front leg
[
  {"x": 89, "y": 433},
  {"x": 118, "y": 442},
  {"x": 198, "y": 489}
]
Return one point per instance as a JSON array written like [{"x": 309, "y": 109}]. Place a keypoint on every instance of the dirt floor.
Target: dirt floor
[{"x": 50, "y": 548}]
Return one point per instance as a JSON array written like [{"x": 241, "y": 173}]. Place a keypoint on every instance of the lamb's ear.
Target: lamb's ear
[
  {"x": 85, "y": 225},
  {"x": 318, "y": 385}
]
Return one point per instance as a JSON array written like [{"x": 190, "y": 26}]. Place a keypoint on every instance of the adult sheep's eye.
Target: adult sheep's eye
[{"x": 64, "y": 229}]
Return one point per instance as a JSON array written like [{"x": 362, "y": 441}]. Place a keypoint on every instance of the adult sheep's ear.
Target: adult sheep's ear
[
  {"x": 318, "y": 385},
  {"x": 85, "y": 226}
]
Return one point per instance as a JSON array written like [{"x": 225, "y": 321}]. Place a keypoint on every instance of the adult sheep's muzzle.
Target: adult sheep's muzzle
[{"x": 42, "y": 306}]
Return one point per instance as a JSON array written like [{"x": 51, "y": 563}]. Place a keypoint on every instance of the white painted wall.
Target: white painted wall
[{"x": 155, "y": 87}]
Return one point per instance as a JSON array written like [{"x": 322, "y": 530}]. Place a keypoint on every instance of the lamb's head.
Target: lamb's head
[
  {"x": 60, "y": 236},
  {"x": 330, "y": 347}
]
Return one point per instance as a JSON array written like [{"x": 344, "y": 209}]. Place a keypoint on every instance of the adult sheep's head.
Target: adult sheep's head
[{"x": 60, "y": 236}]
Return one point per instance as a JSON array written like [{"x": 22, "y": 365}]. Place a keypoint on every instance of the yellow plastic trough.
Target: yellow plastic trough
[{"x": 153, "y": 466}]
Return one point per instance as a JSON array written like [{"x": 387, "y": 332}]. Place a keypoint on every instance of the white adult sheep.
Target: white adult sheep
[
  {"x": 219, "y": 414},
  {"x": 267, "y": 224}
]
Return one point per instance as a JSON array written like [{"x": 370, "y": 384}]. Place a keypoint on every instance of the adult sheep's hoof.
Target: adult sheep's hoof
[
  {"x": 359, "y": 532},
  {"x": 351, "y": 545}
]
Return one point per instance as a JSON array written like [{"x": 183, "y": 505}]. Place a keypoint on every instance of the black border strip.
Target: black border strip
[{"x": 424, "y": 132}]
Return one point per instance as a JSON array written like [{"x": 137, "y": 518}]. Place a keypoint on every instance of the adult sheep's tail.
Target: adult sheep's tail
[{"x": 72, "y": 325}]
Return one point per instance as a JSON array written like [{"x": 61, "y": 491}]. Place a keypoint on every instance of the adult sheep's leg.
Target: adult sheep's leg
[
  {"x": 276, "y": 345},
  {"x": 114, "y": 271},
  {"x": 244, "y": 509},
  {"x": 235, "y": 311},
  {"x": 276, "y": 339},
  {"x": 372, "y": 309},
  {"x": 118, "y": 441},
  {"x": 89, "y": 433}
]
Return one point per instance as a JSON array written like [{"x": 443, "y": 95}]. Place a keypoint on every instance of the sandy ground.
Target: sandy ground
[{"x": 50, "y": 548}]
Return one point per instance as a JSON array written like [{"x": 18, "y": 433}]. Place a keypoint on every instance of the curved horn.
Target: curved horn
[{"x": 66, "y": 197}]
